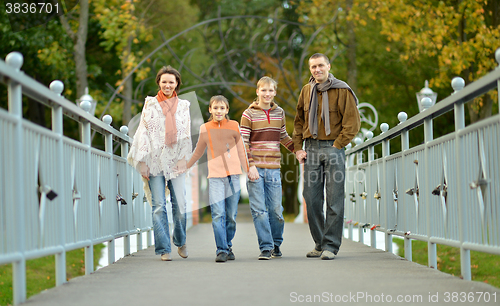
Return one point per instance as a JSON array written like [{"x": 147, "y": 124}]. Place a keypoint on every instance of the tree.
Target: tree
[
  {"x": 461, "y": 36},
  {"x": 124, "y": 28},
  {"x": 29, "y": 42},
  {"x": 79, "y": 37}
]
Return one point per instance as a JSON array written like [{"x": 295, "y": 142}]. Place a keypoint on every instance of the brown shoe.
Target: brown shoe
[{"x": 314, "y": 253}]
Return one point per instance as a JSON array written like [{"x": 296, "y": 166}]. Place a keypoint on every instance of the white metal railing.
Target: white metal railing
[
  {"x": 58, "y": 194},
  {"x": 444, "y": 191}
]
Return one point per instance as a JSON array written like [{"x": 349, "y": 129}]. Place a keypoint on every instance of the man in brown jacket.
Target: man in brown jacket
[{"x": 327, "y": 120}]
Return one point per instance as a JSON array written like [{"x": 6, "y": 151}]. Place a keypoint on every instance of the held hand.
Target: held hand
[
  {"x": 301, "y": 156},
  {"x": 253, "y": 173},
  {"x": 180, "y": 167},
  {"x": 144, "y": 170}
]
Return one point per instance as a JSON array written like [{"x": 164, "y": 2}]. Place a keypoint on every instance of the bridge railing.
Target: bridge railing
[
  {"x": 443, "y": 191},
  {"x": 58, "y": 194}
]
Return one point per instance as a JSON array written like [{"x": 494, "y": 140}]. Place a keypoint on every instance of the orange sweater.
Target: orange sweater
[{"x": 226, "y": 152}]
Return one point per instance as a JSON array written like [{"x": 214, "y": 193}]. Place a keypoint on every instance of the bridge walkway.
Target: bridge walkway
[{"x": 359, "y": 274}]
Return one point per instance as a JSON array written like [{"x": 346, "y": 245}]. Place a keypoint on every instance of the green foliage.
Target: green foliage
[
  {"x": 459, "y": 36},
  {"x": 484, "y": 267},
  {"x": 40, "y": 273}
]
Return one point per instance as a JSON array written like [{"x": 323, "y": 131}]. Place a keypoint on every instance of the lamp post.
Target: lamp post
[
  {"x": 426, "y": 92},
  {"x": 87, "y": 99}
]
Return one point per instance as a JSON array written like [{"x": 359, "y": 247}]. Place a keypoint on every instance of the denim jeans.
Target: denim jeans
[
  {"x": 265, "y": 203},
  {"x": 160, "y": 217},
  {"x": 324, "y": 168},
  {"x": 224, "y": 195}
]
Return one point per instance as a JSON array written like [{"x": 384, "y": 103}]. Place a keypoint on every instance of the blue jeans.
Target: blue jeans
[
  {"x": 265, "y": 204},
  {"x": 160, "y": 217},
  {"x": 324, "y": 168},
  {"x": 224, "y": 195}
]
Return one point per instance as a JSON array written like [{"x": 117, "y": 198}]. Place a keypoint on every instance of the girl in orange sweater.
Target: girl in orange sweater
[{"x": 226, "y": 156}]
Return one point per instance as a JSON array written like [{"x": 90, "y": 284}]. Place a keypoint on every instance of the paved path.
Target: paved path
[{"x": 359, "y": 274}]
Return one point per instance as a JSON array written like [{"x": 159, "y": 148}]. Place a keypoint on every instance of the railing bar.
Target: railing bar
[
  {"x": 43, "y": 252},
  {"x": 10, "y": 258},
  {"x": 78, "y": 245},
  {"x": 481, "y": 248},
  {"x": 468, "y": 93}
]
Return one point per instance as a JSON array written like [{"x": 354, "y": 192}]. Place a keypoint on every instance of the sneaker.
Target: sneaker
[
  {"x": 327, "y": 255},
  {"x": 276, "y": 253},
  {"x": 166, "y": 257},
  {"x": 183, "y": 251},
  {"x": 265, "y": 255},
  {"x": 314, "y": 253},
  {"x": 231, "y": 256},
  {"x": 221, "y": 257}
]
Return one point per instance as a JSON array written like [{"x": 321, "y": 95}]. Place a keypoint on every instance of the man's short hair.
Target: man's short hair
[{"x": 316, "y": 55}]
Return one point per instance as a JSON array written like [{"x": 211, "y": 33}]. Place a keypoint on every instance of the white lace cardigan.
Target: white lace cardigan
[{"x": 149, "y": 141}]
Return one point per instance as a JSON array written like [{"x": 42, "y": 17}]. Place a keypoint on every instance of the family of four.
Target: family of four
[{"x": 326, "y": 120}]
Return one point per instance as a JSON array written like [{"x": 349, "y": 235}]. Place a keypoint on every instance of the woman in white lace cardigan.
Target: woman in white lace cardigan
[{"x": 162, "y": 144}]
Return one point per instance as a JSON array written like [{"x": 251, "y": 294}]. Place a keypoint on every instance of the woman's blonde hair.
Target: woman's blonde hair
[
  {"x": 218, "y": 98},
  {"x": 266, "y": 81}
]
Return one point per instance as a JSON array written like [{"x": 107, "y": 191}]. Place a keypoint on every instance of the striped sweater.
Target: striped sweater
[{"x": 263, "y": 134}]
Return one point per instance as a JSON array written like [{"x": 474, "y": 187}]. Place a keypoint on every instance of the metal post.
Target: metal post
[
  {"x": 89, "y": 251},
  {"x": 127, "y": 191},
  {"x": 57, "y": 128},
  {"x": 459, "y": 116},
  {"x": 408, "y": 250},
  {"x": 108, "y": 144},
  {"x": 431, "y": 247},
  {"x": 385, "y": 152},
  {"x": 350, "y": 163},
  {"x": 139, "y": 241},
  {"x": 360, "y": 206},
  {"x": 111, "y": 251},
  {"x": 149, "y": 238},
  {"x": 15, "y": 60},
  {"x": 460, "y": 161},
  {"x": 457, "y": 84},
  {"x": 86, "y": 105},
  {"x": 464, "y": 253},
  {"x": 373, "y": 233},
  {"x": 405, "y": 145},
  {"x": 126, "y": 245}
]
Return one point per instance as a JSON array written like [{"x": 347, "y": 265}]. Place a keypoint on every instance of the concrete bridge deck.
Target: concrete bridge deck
[{"x": 359, "y": 274}]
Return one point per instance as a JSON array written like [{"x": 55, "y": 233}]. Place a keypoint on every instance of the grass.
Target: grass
[
  {"x": 484, "y": 267},
  {"x": 40, "y": 273}
]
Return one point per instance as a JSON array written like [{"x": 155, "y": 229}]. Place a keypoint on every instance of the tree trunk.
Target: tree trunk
[
  {"x": 79, "y": 49},
  {"x": 352, "y": 68},
  {"x": 127, "y": 90},
  {"x": 487, "y": 108}
]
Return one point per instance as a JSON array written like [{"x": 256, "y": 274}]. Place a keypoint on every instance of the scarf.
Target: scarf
[
  {"x": 169, "y": 107},
  {"x": 330, "y": 83}
]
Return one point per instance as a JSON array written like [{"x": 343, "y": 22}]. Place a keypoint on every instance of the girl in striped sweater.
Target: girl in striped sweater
[
  {"x": 263, "y": 129},
  {"x": 226, "y": 157}
]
